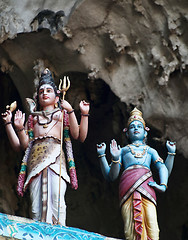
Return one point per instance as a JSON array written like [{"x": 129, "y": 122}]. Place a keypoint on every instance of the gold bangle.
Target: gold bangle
[
  {"x": 163, "y": 184},
  {"x": 173, "y": 154},
  {"x": 118, "y": 161},
  {"x": 102, "y": 155}
]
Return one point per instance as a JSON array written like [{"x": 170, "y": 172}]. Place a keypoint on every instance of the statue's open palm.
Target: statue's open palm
[
  {"x": 19, "y": 119},
  {"x": 115, "y": 149}
]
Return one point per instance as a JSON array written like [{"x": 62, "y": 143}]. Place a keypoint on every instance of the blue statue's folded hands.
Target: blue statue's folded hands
[{"x": 159, "y": 188}]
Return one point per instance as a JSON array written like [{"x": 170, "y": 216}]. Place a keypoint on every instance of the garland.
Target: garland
[
  {"x": 22, "y": 174},
  {"x": 69, "y": 152}
]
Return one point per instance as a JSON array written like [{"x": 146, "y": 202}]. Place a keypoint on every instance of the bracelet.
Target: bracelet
[
  {"x": 118, "y": 161},
  {"x": 102, "y": 155},
  {"x": 85, "y": 115},
  {"x": 70, "y": 111},
  {"x": 19, "y": 130},
  {"x": 8, "y": 123},
  {"x": 163, "y": 184},
  {"x": 173, "y": 154}
]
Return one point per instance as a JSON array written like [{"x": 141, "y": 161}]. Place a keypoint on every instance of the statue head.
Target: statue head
[
  {"x": 137, "y": 129},
  {"x": 46, "y": 78}
]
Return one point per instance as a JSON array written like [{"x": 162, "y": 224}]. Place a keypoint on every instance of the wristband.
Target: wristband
[
  {"x": 71, "y": 111},
  {"x": 85, "y": 115},
  {"x": 19, "y": 130},
  {"x": 8, "y": 123},
  {"x": 173, "y": 154}
]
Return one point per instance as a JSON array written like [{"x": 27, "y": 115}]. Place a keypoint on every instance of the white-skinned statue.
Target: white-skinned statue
[
  {"x": 137, "y": 187},
  {"x": 40, "y": 137}
]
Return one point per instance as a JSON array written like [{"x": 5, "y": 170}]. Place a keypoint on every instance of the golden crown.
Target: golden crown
[{"x": 136, "y": 115}]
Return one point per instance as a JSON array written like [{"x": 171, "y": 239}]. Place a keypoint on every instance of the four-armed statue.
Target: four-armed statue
[
  {"x": 41, "y": 138},
  {"x": 137, "y": 187}
]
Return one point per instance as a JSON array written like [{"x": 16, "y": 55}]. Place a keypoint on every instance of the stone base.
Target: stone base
[{"x": 13, "y": 227}]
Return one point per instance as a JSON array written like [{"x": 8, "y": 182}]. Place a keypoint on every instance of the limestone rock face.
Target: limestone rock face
[{"x": 118, "y": 54}]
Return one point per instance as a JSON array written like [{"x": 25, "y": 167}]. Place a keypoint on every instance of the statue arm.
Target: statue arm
[
  {"x": 171, "y": 146},
  {"x": 162, "y": 170},
  {"x": 77, "y": 132},
  {"x": 19, "y": 120},
  {"x": 73, "y": 123},
  {"x": 84, "y": 108},
  {"x": 101, "y": 148},
  {"x": 110, "y": 172},
  {"x": 14, "y": 139},
  {"x": 116, "y": 160}
]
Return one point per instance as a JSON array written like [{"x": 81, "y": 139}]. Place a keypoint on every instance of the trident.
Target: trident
[{"x": 63, "y": 88}]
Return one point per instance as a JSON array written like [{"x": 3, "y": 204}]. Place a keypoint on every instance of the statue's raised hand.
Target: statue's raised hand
[
  {"x": 19, "y": 119},
  {"x": 7, "y": 116},
  {"x": 115, "y": 150},
  {"x": 171, "y": 146},
  {"x": 101, "y": 148},
  {"x": 84, "y": 107}
]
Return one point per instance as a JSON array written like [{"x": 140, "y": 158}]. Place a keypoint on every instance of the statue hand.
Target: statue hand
[
  {"x": 171, "y": 146},
  {"x": 7, "y": 116},
  {"x": 19, "y": 119},
  {"x": 66, "y": 105},
  {"x": 115, "y": 150},
  {"x": 84, "y": 107},
  {"x": 101, "y": 148},
  {"x": 160, "y": 188}
]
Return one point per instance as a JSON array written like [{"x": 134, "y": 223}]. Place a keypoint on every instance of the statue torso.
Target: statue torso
[{"x": 132, "y": 155}]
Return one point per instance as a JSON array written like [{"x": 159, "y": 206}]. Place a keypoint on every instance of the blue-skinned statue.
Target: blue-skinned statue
[{"x": 137, "y": 187}]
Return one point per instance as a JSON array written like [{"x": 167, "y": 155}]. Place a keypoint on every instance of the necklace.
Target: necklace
[
  {"x": 136, "y": 154},
  {"x": 137, "y": 144},
  {"x": 45, "y": 115},
  {"x": 52, "y": 127}
]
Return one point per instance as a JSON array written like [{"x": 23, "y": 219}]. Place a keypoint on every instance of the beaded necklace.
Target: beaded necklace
[
  {"x": 137, "y": 144},
  {"x": 136, "y": 154}
]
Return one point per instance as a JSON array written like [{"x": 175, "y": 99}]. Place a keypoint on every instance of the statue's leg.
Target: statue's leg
[
  {"x": 36, "y": 198},
  {"x": 53, "y": 180},
  {"x": 150, "y": 219},
  {"x": 127, "y": 215}
]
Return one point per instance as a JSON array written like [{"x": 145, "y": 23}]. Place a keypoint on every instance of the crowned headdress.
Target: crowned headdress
[{"x": 136, "y": 115}]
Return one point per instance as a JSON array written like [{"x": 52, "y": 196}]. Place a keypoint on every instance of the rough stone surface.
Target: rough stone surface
[{"x": 118, "y": 54}]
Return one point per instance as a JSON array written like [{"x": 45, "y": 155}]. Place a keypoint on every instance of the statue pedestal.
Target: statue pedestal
[{"x": 26, "y": 229}]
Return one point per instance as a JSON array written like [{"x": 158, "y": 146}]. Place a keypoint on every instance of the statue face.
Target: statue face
[
  {"x": 47, "y": 95},
  {"x": 136, "y": 131}
]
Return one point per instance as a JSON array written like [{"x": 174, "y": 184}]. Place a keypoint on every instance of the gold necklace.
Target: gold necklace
[
  {"x": 136, "y": 154},
  {"x": 137, "y": 144}
]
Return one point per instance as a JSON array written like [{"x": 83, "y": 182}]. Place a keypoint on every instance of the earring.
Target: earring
[{"x": 55, "y": 105}]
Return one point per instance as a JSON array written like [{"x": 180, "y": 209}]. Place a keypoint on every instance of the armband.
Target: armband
[
  {"x": 159, "y": 160},
  {"x": 102, "y": 155}
]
